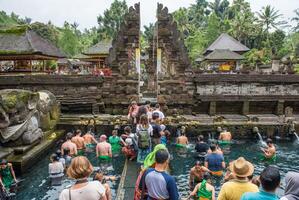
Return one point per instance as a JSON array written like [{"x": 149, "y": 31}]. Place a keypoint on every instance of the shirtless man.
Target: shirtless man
[
  {"x": 79, "y": 141},
  {"x": 182, "y": 140},
  {"x": 103, "y": 149},
  {"x": 68, "y": 144},
  {"x": 89, "y": 139},
  {"x": 196, "y": 174},
  {"x": 270, "y": 151},
  {"x": 225, "y": 135}
]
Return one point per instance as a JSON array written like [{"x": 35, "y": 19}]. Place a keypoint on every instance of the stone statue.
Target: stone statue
[{"x": 25, "y": 115}]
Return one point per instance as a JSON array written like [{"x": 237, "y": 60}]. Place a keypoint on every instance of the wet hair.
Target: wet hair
[
  {"x": 58, "y": 153},
  {"x": 157, "y": 105},
  {"x": 80, "y": 168},
  {"x": 207, "y": 176},
  {"x": 213, "y": 147},
  {"x": 66, "y": 151},
  {"x": 147, "y": 102},
  {"x": 200, "y": 138},
  {"x": 161, "y": 156},
  {"x": 114, "y": 132},
  {"x": 270, "y": 178},
  {"x": 141, "y": 111},
  {"x": 127, "y": 129},
  {"x": 155, "y": 116},
  {"x": 69, "y": 136},
  {"x": 269, "y": 141},
  {"x": 198, "y": 162},
  {"x": 78, "y": 131},
  {"x": 54, "y": 157}
]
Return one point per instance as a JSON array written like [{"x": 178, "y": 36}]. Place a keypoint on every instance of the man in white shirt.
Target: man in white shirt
[{"x": 161, "y": 114}]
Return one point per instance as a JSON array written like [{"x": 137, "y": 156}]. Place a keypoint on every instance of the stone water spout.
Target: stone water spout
[
  {"x": 25, "y": 115},
  {"x": 261, "y": 141}
]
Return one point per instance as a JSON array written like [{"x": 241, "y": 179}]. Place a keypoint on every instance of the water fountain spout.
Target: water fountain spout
[{"x": 296, "y": 136}]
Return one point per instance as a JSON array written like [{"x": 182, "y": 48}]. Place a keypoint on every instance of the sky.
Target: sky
[{"x": 85, "y": 12}]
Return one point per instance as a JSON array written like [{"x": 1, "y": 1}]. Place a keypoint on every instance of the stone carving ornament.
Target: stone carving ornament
[{"x": 25, "y": 114}]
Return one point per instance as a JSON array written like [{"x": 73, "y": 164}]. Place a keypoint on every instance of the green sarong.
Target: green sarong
[
  {"x": 115, "y": 144},
  {"x": 180, "y": 146},
  {"x": 104, "y": 158},
  {"x": 7, "y": 178},
  {"x": 150, "y": 158},
  {"x": 224, "y": 142},
  {"x": 272, "y": 159},
  {"x": 80, "y": 152},
  {"x": 203, "y": 193},
  {"x": 90, "y": 146}
]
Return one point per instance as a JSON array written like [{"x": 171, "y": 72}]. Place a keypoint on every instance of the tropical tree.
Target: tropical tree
[
  {"x": 268, "y": 17},
  {"x": 110, "y": 21},
  {"x": 219, "y": 7},
  {"x": 296, "y": 20}
]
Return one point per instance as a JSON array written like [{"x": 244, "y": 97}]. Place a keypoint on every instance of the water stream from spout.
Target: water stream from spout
[
  {"x": 261, "y": 141},
  {"x": 296, "y": 136}
]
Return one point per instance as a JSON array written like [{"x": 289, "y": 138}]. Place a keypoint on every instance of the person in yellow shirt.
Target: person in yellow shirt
[{"x": 234, "y": 189}]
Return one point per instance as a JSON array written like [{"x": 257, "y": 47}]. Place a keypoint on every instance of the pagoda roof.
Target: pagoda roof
[
  {"x": 101, "y": 47},
  {"x": 23, "y": 43},
  {"x": 225, "y": 41},
  {"x": 223, "y": 54}
]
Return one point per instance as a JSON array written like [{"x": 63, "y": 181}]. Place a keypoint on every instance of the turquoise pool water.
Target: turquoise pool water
[
  {"x": 287, "y": 160},
  {"x": 35, "y": 184}
]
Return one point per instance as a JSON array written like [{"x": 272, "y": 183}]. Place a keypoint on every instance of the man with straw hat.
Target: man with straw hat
[{"x": 234, "y": 189}]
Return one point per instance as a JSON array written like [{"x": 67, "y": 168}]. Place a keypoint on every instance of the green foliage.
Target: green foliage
[
  {"x": 110, "y": 22},
  {"x": 69, "y": 41},
  {"x": 47, "y": 31},
  {"x": 255, "y": 57}
]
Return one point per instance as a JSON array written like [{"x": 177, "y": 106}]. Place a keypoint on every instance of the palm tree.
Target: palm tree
[
  {"x": 296, "y": 19},
  {"x": 268, "y": 17}
]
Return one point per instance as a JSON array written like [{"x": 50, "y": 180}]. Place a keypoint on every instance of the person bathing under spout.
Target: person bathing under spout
[
  {"x": 270, "y": 151},
  {"x": 225, "y": 136}
]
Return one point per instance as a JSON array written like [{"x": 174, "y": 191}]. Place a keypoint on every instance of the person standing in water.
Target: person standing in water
[
  {"x": 225, "y": 136},
  {"x": 215, "y": 162},
  {"x": 80, "y": 143},
  {"x": 7, "y": 174},
  {"x": 204, "y": 190},
  {"x": 68, "y": 144},
  {"x": 89, "y": 140},
  {"x": 56, "y": 170},
  {"x": 196, "y": 174},
  {"x": 182, "y": 140},
  {"x": 103, "y": 149},
  {"x": 115, "y": 141},
  {"x": 270, "y": 151}
]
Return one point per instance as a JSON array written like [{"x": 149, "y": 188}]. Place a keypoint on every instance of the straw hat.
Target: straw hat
[{"x": 241, "y": 167}]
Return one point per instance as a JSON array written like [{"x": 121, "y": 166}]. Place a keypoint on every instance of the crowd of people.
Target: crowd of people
[{"x": 146, "y": 141}]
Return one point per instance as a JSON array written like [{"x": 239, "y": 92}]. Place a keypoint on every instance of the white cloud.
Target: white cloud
[{"x": 85, "y": 12}]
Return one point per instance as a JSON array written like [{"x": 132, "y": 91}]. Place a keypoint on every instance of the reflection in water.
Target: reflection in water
[
  {"x": 287, "y": 160},
  {"x": 36, "y": 185}
]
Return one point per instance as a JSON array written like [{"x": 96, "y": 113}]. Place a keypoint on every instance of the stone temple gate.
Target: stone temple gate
[{"x": 167, "y": 60}]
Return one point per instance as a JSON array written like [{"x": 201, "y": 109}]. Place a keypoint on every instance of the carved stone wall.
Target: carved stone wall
[
  {"x": 174, "y": 84},
  {"x": 80, "y": 94}
]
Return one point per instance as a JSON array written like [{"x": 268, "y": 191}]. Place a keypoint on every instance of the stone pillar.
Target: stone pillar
[
  {"x": 280, "y": 107},
  {"x": 212, "y": 108},
  {"x": 245, "y": 108}
]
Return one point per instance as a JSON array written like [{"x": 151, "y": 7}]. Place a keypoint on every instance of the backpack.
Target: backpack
[{"x": 143, "y": 139}]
